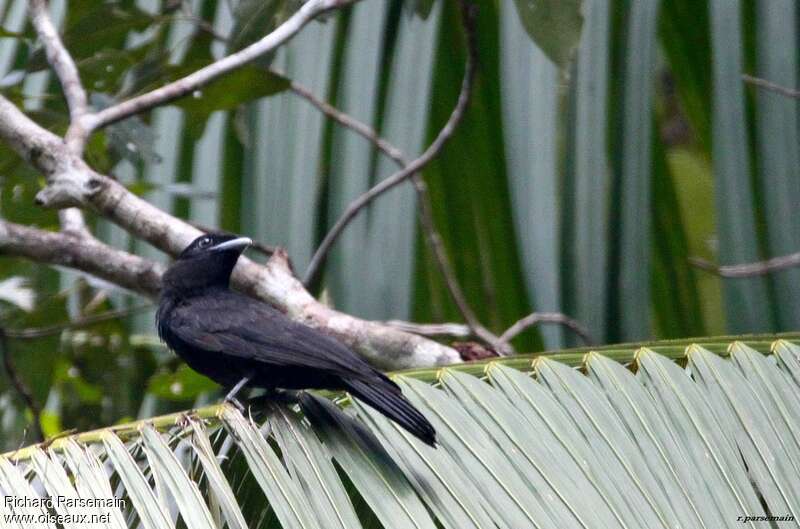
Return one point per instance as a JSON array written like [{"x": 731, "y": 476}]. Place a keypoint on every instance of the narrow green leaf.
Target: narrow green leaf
[
  {"x": 184, "y": 491},
  {"x": 382, "y": 485},
  {"x": 600, "y": 424},
  {"x": 531, "y": 105},
  {"x": 472, "y": 191},
  {"x": 746, "y": 422},
  {"x": 641, "y": 414},
  {"x": 285, "y": 496},
  {"x": 435, "y": 474},
  {"x": 152, "y": 512},
  {"x": 675, "y": 298},
  {"x": 516, "y": 494},
  {"x": 57, "y": 484},
  {"x": 688, "y": 412},
  {"x": 91, "y": 481},
  {"x": 350, "y": 175},
  {"x": 12, "y": 481},
  {"x": 777, "y": 393},
  {"x": 788, "y": 356},
  {"x": 288, "y": 143},
  {"x": 386, "y": 287},
  {"x": 223, "y": 494},
  {"x": 635, "y": 200},
  {"x": 310, "y": 465},
  {"x": 588, "y": 196},
  {"x": 746, "y": 301},
  {"x": 778, "y": 166},
  {"x": 565, "y": 447}
]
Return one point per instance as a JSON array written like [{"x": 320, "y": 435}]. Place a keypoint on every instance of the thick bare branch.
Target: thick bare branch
[
  {"x": 355, "y": 207},
  {"x": 772, "y": 87},
  {"x": 72, "y": 182},
  {"x": 69, "y": 179},
  {"x": 757, "y": 268},
  {"x": 547, "y": 317},
  {"x": 203, "y": 76},
  {"x": 88, "y": 255},
  {"x": 66, "y": 71},
  {"x": 36, "y": 145}
]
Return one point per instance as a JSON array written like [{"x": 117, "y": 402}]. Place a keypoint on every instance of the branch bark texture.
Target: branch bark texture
[{"x": 72, "y": 183}]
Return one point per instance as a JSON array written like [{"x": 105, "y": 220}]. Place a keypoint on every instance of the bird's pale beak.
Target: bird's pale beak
[{"x": 240, "y": 243}]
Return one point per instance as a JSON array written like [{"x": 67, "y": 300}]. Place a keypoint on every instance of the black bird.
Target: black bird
[{"x": 238, "y": 341}]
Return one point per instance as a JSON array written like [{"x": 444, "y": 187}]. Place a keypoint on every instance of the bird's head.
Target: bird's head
[{"x": 207, "y": 262}]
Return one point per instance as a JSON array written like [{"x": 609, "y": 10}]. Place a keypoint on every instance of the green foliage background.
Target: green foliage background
[{"x": 581, "y": 185}]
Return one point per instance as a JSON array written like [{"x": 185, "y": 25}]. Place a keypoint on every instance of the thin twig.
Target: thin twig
[
  {"x": 757, "y": 268},
  {"x": 83, "y": 253},
  {"x": 772, "y": 87},
  {"x": 427, "y": 222},
  {"x": 547, "y": 317},
  {"x": 87, "y": 321},
  {"x": 344, "y": 119},
  {"x": 21, "y": 387},
  {"x": 203, "y": 76},
  {"x": 356, "y": 206},
  {"x": 66, "y": 71},
  {"x": 440, "y": 256}
]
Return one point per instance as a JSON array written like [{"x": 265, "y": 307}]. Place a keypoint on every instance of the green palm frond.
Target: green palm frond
[{"x": 625, "y": 437}]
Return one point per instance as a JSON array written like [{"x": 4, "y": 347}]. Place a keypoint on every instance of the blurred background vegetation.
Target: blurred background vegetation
[{"x": 607, "y": 143}]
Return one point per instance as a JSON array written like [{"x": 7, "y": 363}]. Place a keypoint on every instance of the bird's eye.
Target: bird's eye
[{"x": 205, "y": 241}]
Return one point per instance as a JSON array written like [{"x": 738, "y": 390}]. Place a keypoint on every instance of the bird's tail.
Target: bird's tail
[{"x": 387, "y": 398}]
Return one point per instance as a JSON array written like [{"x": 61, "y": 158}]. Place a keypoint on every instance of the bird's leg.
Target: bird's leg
[{"x": 231, "y": 396}]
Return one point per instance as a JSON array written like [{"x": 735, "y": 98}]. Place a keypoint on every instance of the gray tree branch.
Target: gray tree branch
[
  {"x": 66, "y": 71},
  {"x": 88, "y": 255},
  {"x": 73, "y": 183}
]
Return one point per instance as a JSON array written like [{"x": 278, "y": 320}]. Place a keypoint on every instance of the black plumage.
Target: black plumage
[{"x": 229, "y": 337}]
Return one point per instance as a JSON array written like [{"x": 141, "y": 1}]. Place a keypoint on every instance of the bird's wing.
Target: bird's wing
[{"x": 243, "y": 327}]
